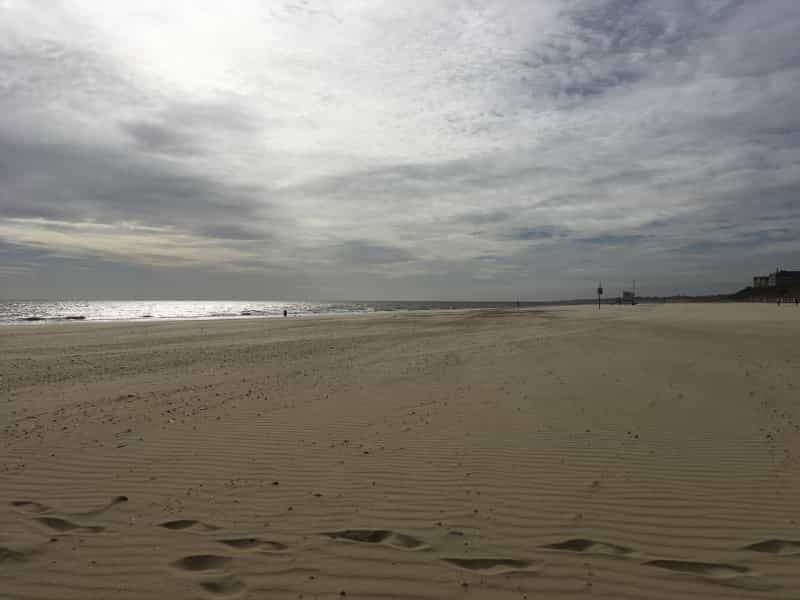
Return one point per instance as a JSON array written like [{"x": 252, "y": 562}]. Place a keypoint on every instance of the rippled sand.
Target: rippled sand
[{"x": 648, "y": 451}]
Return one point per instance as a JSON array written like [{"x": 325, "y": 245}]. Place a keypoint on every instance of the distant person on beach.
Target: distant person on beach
[{"x": 284, "y": 312}]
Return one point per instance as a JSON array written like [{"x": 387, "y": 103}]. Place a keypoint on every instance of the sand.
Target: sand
[{"x": 632, "y": 452}]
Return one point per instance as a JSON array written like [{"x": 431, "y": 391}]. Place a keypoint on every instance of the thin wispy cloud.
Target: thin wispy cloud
[{"x": 440, "y": 149}]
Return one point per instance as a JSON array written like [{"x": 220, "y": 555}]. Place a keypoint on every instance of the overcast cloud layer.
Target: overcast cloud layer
[{"x": 448, "y": 149}]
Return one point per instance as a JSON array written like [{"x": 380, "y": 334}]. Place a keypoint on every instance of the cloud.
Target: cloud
[
  {"x": 432, "y": 149},
  {"x": 616, "y": 240},
  {"x": 359, "y": 252},
  {"x": 152, "y": 137},
  {"x": 536, "y": 233},
  {"x": 94, "y": 183},
  {"x": 189, "y": 128}
]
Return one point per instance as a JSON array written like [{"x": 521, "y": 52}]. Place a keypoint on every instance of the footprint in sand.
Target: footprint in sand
[
  {"x": 720, "y": 570},
  {"x": 64, "y": 526},
  {"x": 188, "y": 525},
  {"x": 784, "y": 547},
  {"x": 720, "y": 573},
  {"x": 227, "y": 587},
  {"x": 490, "y": 566},
  {"x": 59, "y": 524},
  {"x": 98, "y": 511},
  {"x": 28, "y": 506},
  {"x": 255, "y": 544},
  {"x": 7, "y": 555},
  {"x": 31, "y": 507},
  {"x": 587, "y": 546},
  {"x": 378, "y": 536},
  {"x": 209, "y": 569},
  {"x": 201, "y": 562}
]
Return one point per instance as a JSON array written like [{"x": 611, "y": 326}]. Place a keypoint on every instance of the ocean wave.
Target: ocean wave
[{"x": 33, "y": 319}]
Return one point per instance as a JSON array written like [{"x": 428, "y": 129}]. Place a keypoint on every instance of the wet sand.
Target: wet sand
[{"x": 648, "y": 451}]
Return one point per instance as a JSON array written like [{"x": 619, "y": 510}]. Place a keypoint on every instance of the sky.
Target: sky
[{"x": 379, "y": 149}]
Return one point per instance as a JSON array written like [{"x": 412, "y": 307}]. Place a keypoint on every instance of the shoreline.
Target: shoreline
[{"x": 83, "y": 319}]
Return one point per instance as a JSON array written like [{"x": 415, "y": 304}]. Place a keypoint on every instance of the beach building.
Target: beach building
[
  {"x": 780, "y": 278},
  {"x": 784, "y": 279},
  {"x": 781, "y": 283},
  {"x": 761, "y": 281}
]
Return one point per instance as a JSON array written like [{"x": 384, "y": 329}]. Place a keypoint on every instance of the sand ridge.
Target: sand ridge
[{"x": 649, "y": 451}]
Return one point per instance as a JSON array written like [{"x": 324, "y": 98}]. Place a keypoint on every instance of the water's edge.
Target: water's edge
[{"x": 42, "y": 312}]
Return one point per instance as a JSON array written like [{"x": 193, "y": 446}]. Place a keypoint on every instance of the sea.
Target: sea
[{"x": 50, "y": 311}]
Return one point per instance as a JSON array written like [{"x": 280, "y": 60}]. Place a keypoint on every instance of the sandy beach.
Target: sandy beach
[{"x": 631, "y": 452}]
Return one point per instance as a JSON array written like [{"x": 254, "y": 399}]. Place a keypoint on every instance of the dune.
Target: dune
[{"x": 630, "y": 452}]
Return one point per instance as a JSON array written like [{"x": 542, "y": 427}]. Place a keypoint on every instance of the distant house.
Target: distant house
[
  {"x": 779, "y": 279},
  {"x": 761, "y": 281},
  {"x": 779, "y": 282},
  {"x": 784, "y": 279},
  {"x": 628, "y": 297}
]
